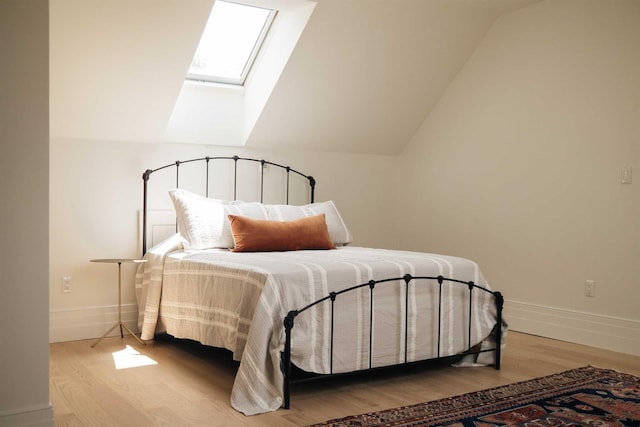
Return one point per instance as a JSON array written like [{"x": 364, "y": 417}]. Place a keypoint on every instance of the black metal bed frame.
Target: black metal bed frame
[
  {"x": 289, "y": 320},
  {"x": 147, "y": 174}
]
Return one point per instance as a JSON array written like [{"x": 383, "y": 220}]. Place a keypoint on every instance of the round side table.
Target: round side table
[{"x": 119, "y": 261}]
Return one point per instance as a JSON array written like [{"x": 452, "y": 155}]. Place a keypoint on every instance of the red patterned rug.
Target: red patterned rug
[{"x": 585, "y": 396}]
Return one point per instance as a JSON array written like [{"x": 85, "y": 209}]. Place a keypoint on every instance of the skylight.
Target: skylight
[{"x": 230, "y": 42}]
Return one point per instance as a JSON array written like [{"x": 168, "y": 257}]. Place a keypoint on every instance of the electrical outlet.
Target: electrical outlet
[
  {"x": 66, "y": 283},
  {"x": 590, "y": 288},
  {"x": 627, "y": 173}
]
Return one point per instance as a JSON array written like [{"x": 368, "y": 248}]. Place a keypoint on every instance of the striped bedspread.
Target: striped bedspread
[{"x": 239, "y": 300}]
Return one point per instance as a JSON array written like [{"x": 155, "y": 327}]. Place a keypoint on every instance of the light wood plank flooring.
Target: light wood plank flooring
[{"x": 189, "y": 384}]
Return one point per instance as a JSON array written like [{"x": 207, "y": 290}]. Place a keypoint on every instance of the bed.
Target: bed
[{"x": 313, "y": 301}]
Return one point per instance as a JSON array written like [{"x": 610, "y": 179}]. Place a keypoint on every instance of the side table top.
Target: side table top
[{"x": 119, "y": 260}]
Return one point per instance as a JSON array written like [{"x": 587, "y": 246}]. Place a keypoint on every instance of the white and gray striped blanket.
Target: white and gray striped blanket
[{"x": 239, "y": 300}]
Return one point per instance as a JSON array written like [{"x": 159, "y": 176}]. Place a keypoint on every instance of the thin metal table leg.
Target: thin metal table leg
[{"x": 119, "y": 323}]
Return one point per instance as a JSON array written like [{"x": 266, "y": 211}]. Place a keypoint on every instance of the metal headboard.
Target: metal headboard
[{"x": 147, "y": 174}]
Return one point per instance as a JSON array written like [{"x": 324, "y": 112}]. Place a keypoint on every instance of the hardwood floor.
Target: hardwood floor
[{"x": 185, "y": 384}]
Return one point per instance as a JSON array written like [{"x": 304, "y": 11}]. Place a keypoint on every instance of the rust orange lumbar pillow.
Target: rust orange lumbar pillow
[{"x": 260, "y": 235}]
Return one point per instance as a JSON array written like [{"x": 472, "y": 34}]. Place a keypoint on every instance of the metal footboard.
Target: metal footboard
[{"x": 289, "y": 322}]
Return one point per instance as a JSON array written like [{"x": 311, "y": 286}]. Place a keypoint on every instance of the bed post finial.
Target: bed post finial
[{"x": 312, "y": 184}]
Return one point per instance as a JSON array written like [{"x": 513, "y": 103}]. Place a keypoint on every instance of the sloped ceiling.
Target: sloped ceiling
[
  {"x": 117, "y": 66},
  {"x": 362, "y": 78},
  {"x": 366, "y": 73}
]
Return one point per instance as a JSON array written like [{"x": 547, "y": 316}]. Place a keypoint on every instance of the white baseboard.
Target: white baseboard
[
  {"x": 607, "y": 332},
  {"x": 37, "y": 416},
  {"x": 611, "y": 333},
  {"x": 89, "y": 322}
]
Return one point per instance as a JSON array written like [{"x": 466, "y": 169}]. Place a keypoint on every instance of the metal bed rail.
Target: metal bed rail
[{"x": 289, "y": 322}]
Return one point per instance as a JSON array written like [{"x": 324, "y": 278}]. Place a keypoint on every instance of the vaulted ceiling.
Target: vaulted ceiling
[{"x": 362, "y": 77}]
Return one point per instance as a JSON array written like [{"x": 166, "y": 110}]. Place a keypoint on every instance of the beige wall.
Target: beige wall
[
  {"x": 96, "y": 193},
  {"x": 519, "y": 167},
  {"x": 24, "y": 175}
]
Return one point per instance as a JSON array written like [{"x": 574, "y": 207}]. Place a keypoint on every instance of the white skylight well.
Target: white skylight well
[{"x": 230, "y": 42}]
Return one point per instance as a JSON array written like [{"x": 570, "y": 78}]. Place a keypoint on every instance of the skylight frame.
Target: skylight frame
[{"x": 250, "y": 59}]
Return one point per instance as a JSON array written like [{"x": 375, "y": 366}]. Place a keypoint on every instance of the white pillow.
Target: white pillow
[
  {"x": 338, "y": 231},
  {"x": 203, "y": 222}
]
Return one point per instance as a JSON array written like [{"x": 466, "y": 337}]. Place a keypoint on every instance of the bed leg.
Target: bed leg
[
  {"x": 286, "y": 385},
  {"x": 499, "y": 305}
]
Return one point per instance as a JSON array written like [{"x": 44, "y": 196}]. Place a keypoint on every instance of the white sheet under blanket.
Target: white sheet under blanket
[{"x": 239, "y": 300}]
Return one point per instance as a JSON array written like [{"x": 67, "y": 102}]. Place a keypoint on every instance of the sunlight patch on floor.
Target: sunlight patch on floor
[{"x": 131, "y": 358}]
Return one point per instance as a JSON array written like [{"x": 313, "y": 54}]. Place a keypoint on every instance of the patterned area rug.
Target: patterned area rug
[{"x": 585, "y": 396}]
